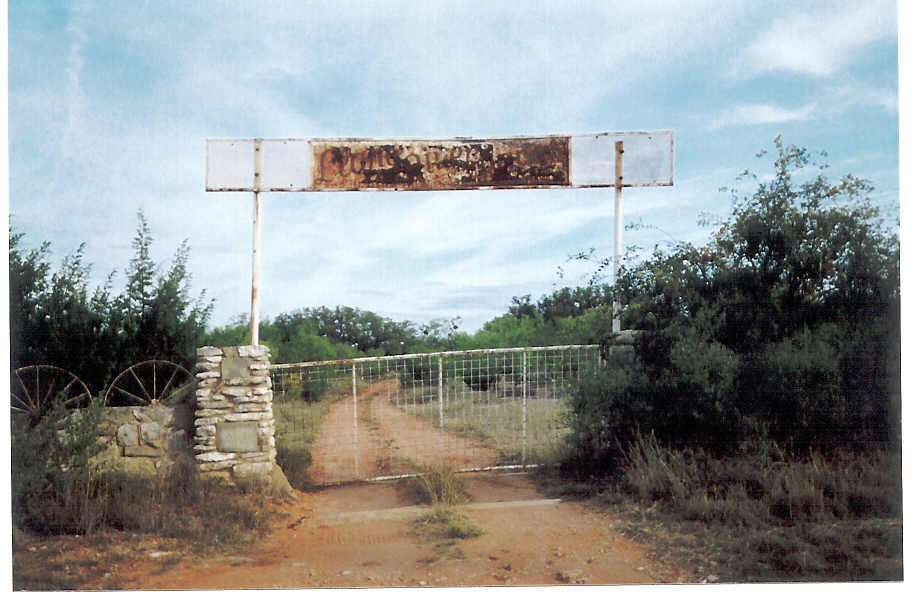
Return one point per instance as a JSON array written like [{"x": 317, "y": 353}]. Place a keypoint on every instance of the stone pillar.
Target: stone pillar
[{"x": 234, "y": 432}]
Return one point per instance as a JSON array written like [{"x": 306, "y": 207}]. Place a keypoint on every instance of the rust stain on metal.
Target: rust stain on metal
[{"x": 443, "y": 164}]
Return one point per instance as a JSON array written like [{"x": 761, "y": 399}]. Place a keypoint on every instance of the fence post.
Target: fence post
[
  {"x": 355, "y": 425},
  {"x": 441, "y": 413},
  {"x": 441, "y": 402},
  {"x": 524, "y": 404}
]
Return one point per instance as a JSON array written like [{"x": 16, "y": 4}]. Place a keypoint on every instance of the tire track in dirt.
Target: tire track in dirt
[
  {"x": 376, "y": 438},
  {"x": 417, "y": 439}
]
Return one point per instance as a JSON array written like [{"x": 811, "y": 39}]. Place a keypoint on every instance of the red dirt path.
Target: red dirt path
[{"x": 386, "y": 441}]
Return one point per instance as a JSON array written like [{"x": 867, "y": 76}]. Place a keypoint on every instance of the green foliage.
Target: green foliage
[
  {"x": 784, "y": 326},
  {"x": 55, "y": 319},
  {"x": 568, "y": 316},
  {"x": 444, "y": 523},
  {"x": 53, "y": 479},
  {"x": 57, "y": 488}
]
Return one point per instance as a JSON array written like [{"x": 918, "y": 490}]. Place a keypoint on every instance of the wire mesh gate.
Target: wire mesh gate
[{"x": 387, "y": 417}]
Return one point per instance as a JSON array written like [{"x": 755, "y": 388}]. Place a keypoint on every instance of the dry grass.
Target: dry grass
[{"x": 762, "y": 517}]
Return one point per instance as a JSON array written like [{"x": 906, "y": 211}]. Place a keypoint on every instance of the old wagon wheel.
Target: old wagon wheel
[
  {"x": 150, "y": 381},
  {"x": 35, "y": 389}
]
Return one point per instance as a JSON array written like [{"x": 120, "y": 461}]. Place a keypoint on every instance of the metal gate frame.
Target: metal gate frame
[{"x": 281, "y": 375}]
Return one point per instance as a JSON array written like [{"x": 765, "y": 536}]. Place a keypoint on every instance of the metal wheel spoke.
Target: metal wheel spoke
[
  {"x": 132, "y": 395},
  {"x": 38, "y": 396},
  {"x": 25, "y": 389},
  {"x": 141, "y": 384},
  {"x": 48, "y": 394},
  {"x": 74, "y": 398},
  {"x": 69, "y": 384},
  {"x": 25, "y": 406},
  {"x": 145, "y": 384},
  {"x": 170, "y": 381},
  {"x": 39, "y": 392}
]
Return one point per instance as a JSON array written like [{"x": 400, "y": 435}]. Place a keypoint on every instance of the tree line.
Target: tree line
[
  {"x": 784, "y": 327},
  {"x": 56, "y": 319}
]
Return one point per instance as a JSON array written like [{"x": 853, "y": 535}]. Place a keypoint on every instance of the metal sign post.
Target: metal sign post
[
  {"x": 254, "y": 285},
  {"x": 256, "y": 165},
  {"x": 616, "y": 259}
]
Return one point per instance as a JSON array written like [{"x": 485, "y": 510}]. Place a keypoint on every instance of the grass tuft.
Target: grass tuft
[
  {"x": 440, "y": 485},
  {"x": 445, "y": 523}
]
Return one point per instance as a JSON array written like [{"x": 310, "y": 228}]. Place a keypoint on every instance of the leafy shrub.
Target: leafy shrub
[
  {"x": 57, "y": 488},
  {"x": 53, "y": 479},
  {"x": 56, "y": 319},
  {"x": 685, "y": 395}
]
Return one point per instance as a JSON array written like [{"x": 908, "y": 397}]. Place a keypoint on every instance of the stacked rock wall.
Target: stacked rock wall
[
  {"x": 144, "y": 440},
  {"x": 234, "y": 431}
]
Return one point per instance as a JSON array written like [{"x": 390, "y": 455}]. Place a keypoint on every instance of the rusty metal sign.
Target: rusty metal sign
[
  {"x": 608, "y": 159},
  {"x": 363, "y": 164},
  {"x": 438, "y": 165}
]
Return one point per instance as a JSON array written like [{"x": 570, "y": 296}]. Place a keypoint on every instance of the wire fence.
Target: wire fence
[{"x": 382, "y": 417}]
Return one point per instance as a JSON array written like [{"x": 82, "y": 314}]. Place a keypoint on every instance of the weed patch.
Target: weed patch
[
  {"x": 439, "y": 485},
  {"x": 764, "y": 516},
  {"x": 444, "y": 523}
]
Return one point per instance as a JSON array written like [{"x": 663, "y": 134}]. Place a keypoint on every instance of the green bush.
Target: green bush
[
  {"x": 53, "y": 480},
  {"x": 58, "y": 489}
]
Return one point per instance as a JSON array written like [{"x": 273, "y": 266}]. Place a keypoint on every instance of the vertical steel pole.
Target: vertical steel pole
[
  {"x": 616, "y": 260},
  {"x": 355, "y": 425},
  {"x": 524, "y": 409},
  {"x": 441, "y": 403},
  {"x": 254, "y": 289},
  {"x": 441, "y": 415}
]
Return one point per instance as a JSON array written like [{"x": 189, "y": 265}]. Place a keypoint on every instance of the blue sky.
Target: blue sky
[{"x": 110, "y": 104}]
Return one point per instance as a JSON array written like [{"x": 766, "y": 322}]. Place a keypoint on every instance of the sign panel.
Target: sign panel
[
  {"x": 361, "y": 164},
  {"x": 346, "y": 165}
]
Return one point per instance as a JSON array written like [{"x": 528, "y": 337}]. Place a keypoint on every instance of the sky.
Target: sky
[{"x": 110, "y": 104}]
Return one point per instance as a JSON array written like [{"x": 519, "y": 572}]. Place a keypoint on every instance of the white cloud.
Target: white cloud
[
  {"x": 820, "y": 42},
  {"x": 854, "y": 95},
  {"x": 760, "y": 114},
  {"x": 113, "y": 116}
]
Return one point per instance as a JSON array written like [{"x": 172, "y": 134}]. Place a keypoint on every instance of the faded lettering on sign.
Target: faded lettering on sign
[{"x": 449, "y": 164}]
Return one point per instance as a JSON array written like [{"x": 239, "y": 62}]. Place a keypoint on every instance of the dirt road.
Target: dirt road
[
  {"x": 376, "y": 438},
  {"x": 363, "y": 536}
]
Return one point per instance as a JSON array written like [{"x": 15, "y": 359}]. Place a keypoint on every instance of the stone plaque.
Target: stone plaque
[
  {"x": 235, "y": 368},
  {"x": 238, "y": 436}
]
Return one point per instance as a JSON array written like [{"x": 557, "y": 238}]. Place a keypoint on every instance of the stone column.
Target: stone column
[{"x": 234, "y": 432}]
